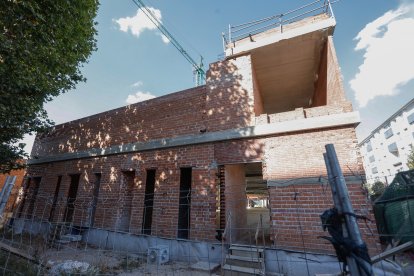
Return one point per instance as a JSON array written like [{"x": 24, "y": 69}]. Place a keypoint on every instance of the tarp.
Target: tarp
[{"x": 394, "y": 209}]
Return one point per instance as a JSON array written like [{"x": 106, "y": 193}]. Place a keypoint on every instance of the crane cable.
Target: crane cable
[{"x": 198, "y": 68}]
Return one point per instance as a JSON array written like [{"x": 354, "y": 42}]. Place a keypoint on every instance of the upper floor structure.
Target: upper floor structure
[{"x": 282, "y": 80}]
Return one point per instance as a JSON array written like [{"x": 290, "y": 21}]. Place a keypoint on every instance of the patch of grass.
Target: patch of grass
[{"x": 11, "y": 264}]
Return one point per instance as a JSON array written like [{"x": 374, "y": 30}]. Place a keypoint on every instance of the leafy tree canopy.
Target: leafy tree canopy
[
  {"x": 43, "y": 44},
  {"x": 410, "y": 159}
]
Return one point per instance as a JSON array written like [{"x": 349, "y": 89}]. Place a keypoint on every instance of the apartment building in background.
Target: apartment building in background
[{"x": 386, "y": 149}]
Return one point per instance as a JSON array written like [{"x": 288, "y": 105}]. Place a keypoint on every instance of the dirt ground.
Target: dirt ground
[
  {"x": 80, "y": 259},
  {"x": 116, "y": 263},
  {"x": 406, "y": 261}
]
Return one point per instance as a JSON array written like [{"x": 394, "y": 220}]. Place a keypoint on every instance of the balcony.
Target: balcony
[{"x": 242, "y": 38}]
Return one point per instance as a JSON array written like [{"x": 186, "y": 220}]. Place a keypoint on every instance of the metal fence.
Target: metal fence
[{"x": 241, "y": 31}]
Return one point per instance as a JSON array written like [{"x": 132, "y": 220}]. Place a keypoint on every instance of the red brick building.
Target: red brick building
[{"x": 186, "y": 165}]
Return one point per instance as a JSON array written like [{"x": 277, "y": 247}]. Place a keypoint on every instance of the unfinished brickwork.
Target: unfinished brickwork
[{"x": 230, "y": 122}]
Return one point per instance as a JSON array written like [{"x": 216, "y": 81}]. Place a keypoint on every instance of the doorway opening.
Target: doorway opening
[
  {"x": 70, "y": 203},
  {"x": 148, "y": 202},
  {"x": 244, "y": 199},
  {"x": 220, "y": 203},
  {"x": 126, "y": 189},
  {"x": 34, "y": 185},
  {"x": 184, "y": 203},
  {"x": 258, "y": 208}
]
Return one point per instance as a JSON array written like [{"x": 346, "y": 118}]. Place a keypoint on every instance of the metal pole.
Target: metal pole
[
  {"x": 330, "y": 8},
  {"x": 224, "y": 42},
  {"x": 6, "y": 182},
  {"x": 351, "y": 262},
  {"x": 280, "y": 23},
  {"x": 229, "y": 33},
  {"x": 8, "y": 186},
  {"x": 333, "y": 189},
  {"x": 264, "y": 245},
  {"x": 352, "y": 226}
]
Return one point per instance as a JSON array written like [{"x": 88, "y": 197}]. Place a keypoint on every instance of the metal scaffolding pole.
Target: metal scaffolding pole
[
  {"x": 343, "y": 205},
  {"x": 5, "y": 193}
]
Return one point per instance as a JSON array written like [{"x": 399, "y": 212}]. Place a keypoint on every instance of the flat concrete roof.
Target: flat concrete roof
[{"x": 307, "y": 25}]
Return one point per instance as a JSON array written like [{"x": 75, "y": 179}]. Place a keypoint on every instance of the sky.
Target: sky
[{"x": 374, "y": 41}]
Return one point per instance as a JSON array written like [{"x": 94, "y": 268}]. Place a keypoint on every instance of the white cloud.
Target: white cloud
[
  {"x": 388, "y": 60},
  {"x": 140, "y": 22},
  {"x": 137, "y": 84},
  {"x": 139, "y": 96}
]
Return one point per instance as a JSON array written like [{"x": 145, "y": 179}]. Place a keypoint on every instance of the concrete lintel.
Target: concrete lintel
[
  {"x": 308, "y": 28},
  {"x": 307, "y": 181},
  {"x": 334, "y": 120}
]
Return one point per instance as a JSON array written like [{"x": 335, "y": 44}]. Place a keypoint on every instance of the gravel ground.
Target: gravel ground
[{"x": 113, "y": 263}]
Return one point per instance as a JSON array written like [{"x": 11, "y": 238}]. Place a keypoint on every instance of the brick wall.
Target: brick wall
[
  {"x": 240, "y": 151},
  {"x": 230, "y": 99},
  {"x": 236, "y": 201},
  {"x": 289, "y": 159},
  {"x": 258, "y": 101},
  {"x": 226, "y": 102},
  {"x": 329, "y": 89},
  {"x": 320, "y": 94},
  {"x": 296, "y": 114},
  {"x": 301, "y": 154},
  {"x": 113, "y": 192},
  {"x": 296, "y": 210},
  {"x": 289, "y": 156},
  {"x": 334, "y": 85},
  {"x": 167, "y": 116}
]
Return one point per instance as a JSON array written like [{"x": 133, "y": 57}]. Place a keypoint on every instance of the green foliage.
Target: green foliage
[
  {"x": 376, "y": 190},
  {"x": 410, "y": 159},
  {"x": 43, "y": 44}
]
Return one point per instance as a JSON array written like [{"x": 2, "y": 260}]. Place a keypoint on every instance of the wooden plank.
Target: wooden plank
[
  {"x": 17, "y": 251},
  {"x": 392, "y": 251},
  {"x": 241, "y": 269}
]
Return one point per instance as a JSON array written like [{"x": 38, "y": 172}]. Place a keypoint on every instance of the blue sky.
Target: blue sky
[{"x": 374, "y": 41}]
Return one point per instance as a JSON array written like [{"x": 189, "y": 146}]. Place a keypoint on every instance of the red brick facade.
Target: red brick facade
[{"x": 226, "y": 102}]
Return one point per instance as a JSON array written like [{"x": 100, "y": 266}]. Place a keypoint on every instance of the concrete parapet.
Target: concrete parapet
[{"x": 287, "y": 116}]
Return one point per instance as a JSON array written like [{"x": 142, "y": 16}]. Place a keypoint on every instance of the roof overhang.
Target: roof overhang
[{"x": 295, "y": 29}]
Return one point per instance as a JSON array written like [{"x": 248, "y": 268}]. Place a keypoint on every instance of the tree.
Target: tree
[
  {"x": 43, "y": 44},
  {"x": 410, "y": 159},
  {"x": 376, "y": 190}
]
